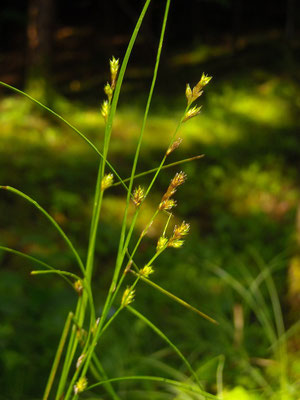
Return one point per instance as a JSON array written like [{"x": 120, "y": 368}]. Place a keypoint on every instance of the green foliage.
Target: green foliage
[{"x": 241, "y": 196}]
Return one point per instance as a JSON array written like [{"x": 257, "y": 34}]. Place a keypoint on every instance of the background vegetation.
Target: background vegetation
[{"x": 241, "y": 198}]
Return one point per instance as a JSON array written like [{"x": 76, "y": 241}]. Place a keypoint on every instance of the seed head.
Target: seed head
[
  {"x": 188, "y": 94},
  {"x": 205, "y": 79},
  {"x": 108, "y": 91},
  {"x": 178, "y": 233},
  {"x": 80, "y": 360},
  {"x": 174, "y": 146},
  {"x": 178, "y": 180},
  {"x": 176, "y": 243},
  {"x": 78, "y": 286},
  {"x": 167, "y": 204},
  {"x": 192, "y": 112},
  {"x": 146, "y": 271},
  {"x": 81, "y": 385},
  {"x": 114, "y": 68},
  {"x": 197, "y": 91},
  {"x": 181, "y": 230},
  {"x": 107, "y": 181},
  {"x": 105, "y": 110},
  {"x": 128, "y": 297},
  {"x": 138, "y": 196},
  {"x": 161, "y": 243},
  {"x": 81, "y": 335}
]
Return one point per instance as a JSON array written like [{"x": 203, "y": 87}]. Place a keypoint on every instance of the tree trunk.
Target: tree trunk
[{"x": 40, "y": 40}]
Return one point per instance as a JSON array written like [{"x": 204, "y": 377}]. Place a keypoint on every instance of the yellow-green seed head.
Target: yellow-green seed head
[
  {"x": 205, "y": 79},
  {"x": 176, "y": 243},
  {"x": 188, "y": 94},
  {"x": 114, "y": 68},
  {"x": 78, "y": 286},
  {"x": 192, "y": 112},
  {"x": 161, "y": 243},
  {"x": 105, "y": 110},
  {"x": 107, "y": 181},
  {"x": 146, "y": 271},
  {"x": 128, "y": 297},
  {"x": 138, "y": 196},
  {"x": 81, "y": 385},
  {"x": 108, "y": 91}
]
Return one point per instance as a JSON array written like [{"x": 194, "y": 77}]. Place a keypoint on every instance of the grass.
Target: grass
[{"x": 243, "y": 192}]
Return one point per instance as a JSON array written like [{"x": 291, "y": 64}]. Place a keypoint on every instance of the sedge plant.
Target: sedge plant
[{"x": 76, "y": 367}]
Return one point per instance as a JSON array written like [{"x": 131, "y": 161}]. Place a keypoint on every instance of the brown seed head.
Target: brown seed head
[
  {"x": 166, "y": 205},
  {"x": 174, "y": 146}
]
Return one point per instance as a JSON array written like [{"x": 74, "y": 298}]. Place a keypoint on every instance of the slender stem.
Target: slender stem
[
  {"x": 51, "y": 219},
  {"x": 183, "y": 386},
  {"x": 175, "y": 298},
  {"x": 58, "y": 355},
  {"x": 71, "y": 349},
  {"x": 35, "y": 260},
  {"x": 108, "y": 129},
  {"x": 150, "y": 171},
  {"x": 65, "y": 122},
  {"x": 55, "y": 271},
  {"x": 166, "y": 339},
  {"x": 109, "y": 387}
]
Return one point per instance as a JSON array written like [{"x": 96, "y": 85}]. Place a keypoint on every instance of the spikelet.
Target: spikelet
[
  {"x": 78, "y": 286},
  {"x": 128, "y": 297},
  {"x": 80, "y": 360},
  {"x": 178, "y": 180},
  {"x": 178, "y": 233},
  {"x": 166, "y": 205},
  {"x": 146, "y": 271},
  {"x": 174, "y": 146},
  {"x": 161, "y": 243},
  {"x": 107, "y": 181},
  {"x": 108, "y": 91},
  {"x": 197, "y": 91},
  {"x": 105, "y": 110},
  {"x": 138, "y": 196},
  {"x": 192, "y": 112},
  {"x": 81, "y": 385},
  {"x": 114, "y": 68}
]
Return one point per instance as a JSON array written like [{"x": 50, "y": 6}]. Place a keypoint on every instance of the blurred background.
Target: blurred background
[{"x": 241, "y": 261}]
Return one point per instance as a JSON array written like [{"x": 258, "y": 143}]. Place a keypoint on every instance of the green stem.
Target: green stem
[
  {"x": 51, "y": 219},
  {"x": 58, "y": 356},
  {"x": 101, "y": 372},
  {"x": 150, "y": 171},
  {"x": 65, "y": 122},
  {"x": 166, "y": 339},
  {"x": 35, "y": 260},
  {"x": 183, "y": 386},
  {"x": 71, "y": 349},
  {"x": 175, "y": 298},
  {"x": 108, "y": 129}
]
